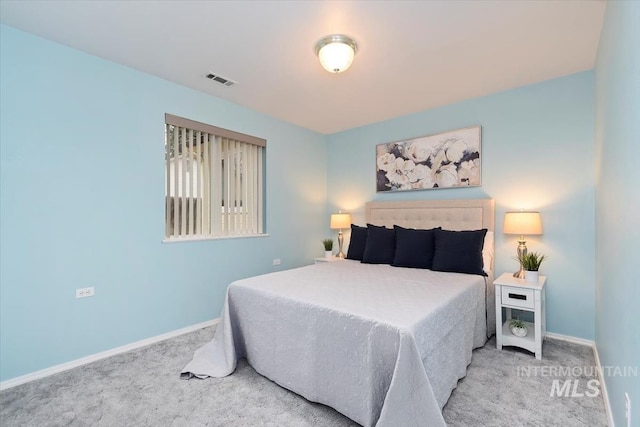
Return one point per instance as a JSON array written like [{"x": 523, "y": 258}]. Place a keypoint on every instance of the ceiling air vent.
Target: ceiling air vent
[{"x": 220, "y": 79}]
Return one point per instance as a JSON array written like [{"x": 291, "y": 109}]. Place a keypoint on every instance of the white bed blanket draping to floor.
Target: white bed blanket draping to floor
[{"x": 383, "y": 345}]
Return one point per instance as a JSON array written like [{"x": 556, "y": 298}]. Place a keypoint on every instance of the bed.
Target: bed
[{"x": 383, "y": 345}]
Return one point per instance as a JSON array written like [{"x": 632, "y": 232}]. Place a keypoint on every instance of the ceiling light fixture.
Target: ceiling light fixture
[{"x": 336, "y": 52}]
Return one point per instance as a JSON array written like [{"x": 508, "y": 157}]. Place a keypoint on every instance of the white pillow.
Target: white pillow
[{"x": 487, "y": 252}]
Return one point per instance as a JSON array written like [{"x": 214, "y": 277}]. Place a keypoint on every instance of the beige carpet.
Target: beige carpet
[{"x": 143, "y": 388}]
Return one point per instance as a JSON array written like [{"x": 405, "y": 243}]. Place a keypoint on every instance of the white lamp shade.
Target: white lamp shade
[
  {"x": 340, "y": 220},
  {"x": 522, "y": 223},
  {"x": 336, "y": 57},
  {"x": 336, "y": 52}
]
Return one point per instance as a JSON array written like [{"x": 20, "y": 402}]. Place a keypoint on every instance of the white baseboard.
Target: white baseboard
[
  {"x": 603, "y": 387},
  {"x": 571, "y": 339},
  {"x": 102, "y": 355}
]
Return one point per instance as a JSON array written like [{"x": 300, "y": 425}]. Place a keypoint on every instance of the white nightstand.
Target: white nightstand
[
  {"x": 323, "y": 259},
  {"x": 522, "y": 295}
]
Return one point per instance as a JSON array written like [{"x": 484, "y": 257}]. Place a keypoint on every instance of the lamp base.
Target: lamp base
[
  {"x": 522, "y": 252},
  {"x": 340, "y": 241}
]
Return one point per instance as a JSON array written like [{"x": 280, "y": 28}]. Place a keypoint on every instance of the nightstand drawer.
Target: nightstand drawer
[{"x": 518, "y": 297}]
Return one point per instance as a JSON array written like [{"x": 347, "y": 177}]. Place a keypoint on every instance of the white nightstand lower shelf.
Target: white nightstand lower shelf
[{"x": 527, "y": 342}]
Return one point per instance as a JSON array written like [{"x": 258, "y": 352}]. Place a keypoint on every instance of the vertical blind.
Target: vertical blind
[{"x": 213, "y": 182}]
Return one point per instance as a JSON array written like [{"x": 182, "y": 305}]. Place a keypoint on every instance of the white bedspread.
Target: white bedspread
[{"x": 383, "y": 345}]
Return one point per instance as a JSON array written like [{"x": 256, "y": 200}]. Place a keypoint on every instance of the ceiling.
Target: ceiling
[{"x": 413, "y": 55}]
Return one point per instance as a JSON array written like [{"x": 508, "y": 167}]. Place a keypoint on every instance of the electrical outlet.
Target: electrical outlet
[
  {"x": 627, "y": 409},
  {"x": 276, "y": 261},
  {"x": 85, "y": 292}
]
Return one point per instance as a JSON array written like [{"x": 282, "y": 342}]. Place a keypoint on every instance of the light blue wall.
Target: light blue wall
[
  {"x": 617, "y": 82},
  {"x": 82, "y": 204},
  {"x": 537, "y": 153}
]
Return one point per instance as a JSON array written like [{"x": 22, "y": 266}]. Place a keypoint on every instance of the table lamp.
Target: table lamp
[
  {"x": 522, "y": 223},
  {"x": 338, "y": 222}
]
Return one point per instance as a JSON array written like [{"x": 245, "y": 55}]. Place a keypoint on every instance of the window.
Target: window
[{"x": 213, "y": 181}]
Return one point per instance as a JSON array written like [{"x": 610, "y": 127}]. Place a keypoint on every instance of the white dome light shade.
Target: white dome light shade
[
  {"x": 336, "y": 53},
  {"x": 336, "y": 57}
]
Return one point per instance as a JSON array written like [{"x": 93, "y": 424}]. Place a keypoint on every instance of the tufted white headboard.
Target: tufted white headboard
[{"x": 470, "y": 214}]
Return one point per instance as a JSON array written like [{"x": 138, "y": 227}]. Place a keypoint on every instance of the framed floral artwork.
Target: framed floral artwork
[{"x": 444, "y": 160}]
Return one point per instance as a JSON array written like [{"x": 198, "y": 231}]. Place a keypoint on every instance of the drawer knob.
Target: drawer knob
[{"x": 517, "y": 296}]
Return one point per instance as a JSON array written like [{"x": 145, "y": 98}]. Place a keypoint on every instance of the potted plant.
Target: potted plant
[
  {"x": 328, "y": 247},
  {"x": 531, "y": 264},
  {"x": 518, "y": 328}
]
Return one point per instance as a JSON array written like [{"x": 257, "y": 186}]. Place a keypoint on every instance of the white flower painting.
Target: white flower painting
[{"x": 445, "y": 160}]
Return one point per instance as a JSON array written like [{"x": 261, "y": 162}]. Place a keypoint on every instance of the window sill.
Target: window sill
[{"x": 201, "y": 238}]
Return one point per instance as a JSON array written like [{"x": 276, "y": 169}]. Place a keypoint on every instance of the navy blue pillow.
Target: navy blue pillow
[
  {"x": 414, "y": 248},
  {"x": 459, "y": 251},
  {"x": 357, "y": 242},
  {"x": 381, "y": 245}
]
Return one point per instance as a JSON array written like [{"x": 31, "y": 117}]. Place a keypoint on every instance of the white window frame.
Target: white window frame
[{"x": 205, "y": 199}]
